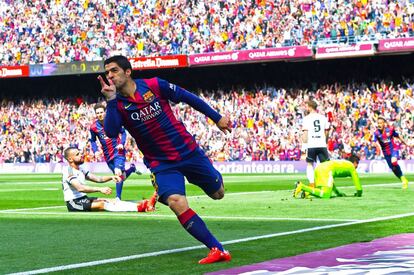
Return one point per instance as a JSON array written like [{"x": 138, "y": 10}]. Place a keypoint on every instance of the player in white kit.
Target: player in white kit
[
  {"x": 75, "y": 189},
  {"x": 315, "y": 131}
]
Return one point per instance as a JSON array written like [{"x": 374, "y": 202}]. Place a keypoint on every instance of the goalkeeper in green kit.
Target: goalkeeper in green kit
[{"x": 325, "y": 173}]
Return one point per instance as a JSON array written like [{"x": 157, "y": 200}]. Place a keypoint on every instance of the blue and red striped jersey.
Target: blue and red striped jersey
[
  {"x": 386, "y": 140},
  {"x": 149, "y": 119},
  {"x": 108, "y": 144}
]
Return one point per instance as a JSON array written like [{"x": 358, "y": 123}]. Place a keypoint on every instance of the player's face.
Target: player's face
[
  {"x": 381, "y": 124},
  {"x": 100, "y": 114},
  {"x": 77, "y": 157},
  {"x": 117, "y": 75}
]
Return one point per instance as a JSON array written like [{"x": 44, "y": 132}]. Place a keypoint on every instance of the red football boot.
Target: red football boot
[{"x": 215, "y": 255}]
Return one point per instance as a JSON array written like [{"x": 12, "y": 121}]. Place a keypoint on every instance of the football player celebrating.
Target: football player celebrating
[
  {"x": 170, "y": 151},
  {"x": 113, "y": 148},
  {"x": 385, "y": 135}
]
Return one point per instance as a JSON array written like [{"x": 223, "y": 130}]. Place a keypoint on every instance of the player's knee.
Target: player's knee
[
  {"x": 394, "y": 161},
  {"x": 177, "y": 203},
  {"x": 98, "y": 205},
  {"x": 218, "y": 195}
]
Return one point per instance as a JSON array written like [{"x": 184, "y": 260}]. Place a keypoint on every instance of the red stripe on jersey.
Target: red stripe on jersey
[{"x": 187, "y": 138}]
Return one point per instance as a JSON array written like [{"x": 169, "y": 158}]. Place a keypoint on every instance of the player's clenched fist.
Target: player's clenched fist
[{"x": 224, "y": 124}]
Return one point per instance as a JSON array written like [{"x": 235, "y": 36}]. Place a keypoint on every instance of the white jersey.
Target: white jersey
[
  {"x": 69, "y": 174},
  {"x": 315, "y": 124}
]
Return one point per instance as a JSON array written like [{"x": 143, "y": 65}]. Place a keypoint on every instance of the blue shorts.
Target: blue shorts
[
  {"x": 117, "y": 162},
  {"x": 168, "y": 179},
  {"x": 394, "y": 154}
]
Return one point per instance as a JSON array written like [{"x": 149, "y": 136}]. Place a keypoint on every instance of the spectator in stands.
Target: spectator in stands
[
  {"x": 266, "y": 124},
  {"x": 40, "y": 31}
]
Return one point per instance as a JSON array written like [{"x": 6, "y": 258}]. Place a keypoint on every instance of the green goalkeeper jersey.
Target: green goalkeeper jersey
[{"x": 336, "y": 169}]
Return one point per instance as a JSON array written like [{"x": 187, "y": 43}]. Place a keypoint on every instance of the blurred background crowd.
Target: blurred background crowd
[
  {"x": 58, "y": 31},
  {"x": 267, "y": 122}
]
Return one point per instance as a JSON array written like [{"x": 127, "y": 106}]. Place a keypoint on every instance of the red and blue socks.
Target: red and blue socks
[{"x": 198, "y": 229}]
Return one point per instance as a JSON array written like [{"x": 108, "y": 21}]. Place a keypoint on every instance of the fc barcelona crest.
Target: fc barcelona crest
[{"x": 148, "y": 96}]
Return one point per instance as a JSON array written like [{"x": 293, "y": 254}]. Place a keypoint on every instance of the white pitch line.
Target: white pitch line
[
  {"x": 133, "y": 214},
  {"x": 26, "y": 209},
  {"x": 170, "y": 251},
  {"x": 32, "y": 189}
]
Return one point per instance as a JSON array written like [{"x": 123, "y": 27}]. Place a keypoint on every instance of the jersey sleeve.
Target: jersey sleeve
[
  {"x": 68, "y": 175},
  {"x": 395, "y": 133},
  {"x": 84, "y": 171},
  {"x": 123, "y": 136},
  {"x": 177, "y": 94},
  {"x": 375, "y": 136},
  {"x": 92, "y": 139},
  {"x": 305, "y": 125},
  {"x": 113, "y": 120}
]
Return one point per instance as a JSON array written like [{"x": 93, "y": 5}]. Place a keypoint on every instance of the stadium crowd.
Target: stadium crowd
[
  {"x": 267, "y": 123},
  {"x": 58, "y": 31}
]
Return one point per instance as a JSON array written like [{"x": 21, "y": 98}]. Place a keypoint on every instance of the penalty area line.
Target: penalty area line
[{"x": 178, "y": 250}]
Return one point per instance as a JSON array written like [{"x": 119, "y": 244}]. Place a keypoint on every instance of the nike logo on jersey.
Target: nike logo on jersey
[{"x": 127, "y": 106}]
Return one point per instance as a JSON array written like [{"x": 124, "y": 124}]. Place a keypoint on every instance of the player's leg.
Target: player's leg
[
  {"x": 396, "y": 169},
  {"x": 130, "y": 170},
  {"x": 200, "y": 171},
  {"x": 310, "y": 160},
  {"x": 111, "y": 205},
  {"x": 323, "y": 192},
  {"x": 323, "y": 182},
  {"x": 171, "y": 190},
  {"x": 117, "y": 166},
  {"x": 322, "y": 154}
]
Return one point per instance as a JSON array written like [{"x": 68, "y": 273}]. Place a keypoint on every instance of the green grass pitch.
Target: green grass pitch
[{"x": 258, "y": 220}]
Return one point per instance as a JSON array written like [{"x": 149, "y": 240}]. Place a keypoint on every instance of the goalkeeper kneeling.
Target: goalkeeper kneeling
[{"x": 325, "y": 173}]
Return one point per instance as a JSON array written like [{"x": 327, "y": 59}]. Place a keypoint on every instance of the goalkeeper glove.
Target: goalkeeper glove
[{"x": 358, "y": 193}]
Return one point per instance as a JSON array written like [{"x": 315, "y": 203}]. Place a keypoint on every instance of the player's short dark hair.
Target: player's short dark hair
[
  {"x": 120, "y": 60},
  {"x": 67, "y": 151},
  {"x": 312, "y": 104},
  {"x": 354, "y": 158},
  {"x": 99, "y": 106}
]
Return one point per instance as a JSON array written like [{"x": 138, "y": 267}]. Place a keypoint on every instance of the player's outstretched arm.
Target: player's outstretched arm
[
  {"x": 177, "y": 94},
  {"x": 112, "y": 121},
  {"x": 90, "y": 189},
  {"x": 100, "y": 179},
  {"x": 402, "y": 140}
]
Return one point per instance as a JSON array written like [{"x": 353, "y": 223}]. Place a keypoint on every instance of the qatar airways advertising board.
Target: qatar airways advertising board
[
  {"x": 159, "y": 62},
  {"x": 396, "y": 45},
  {"x": 270, "y": 54},
  {"x": 338, "y": 51}
]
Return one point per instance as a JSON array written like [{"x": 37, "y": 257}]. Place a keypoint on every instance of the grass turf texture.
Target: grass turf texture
[{"x": 48, "y": 237}]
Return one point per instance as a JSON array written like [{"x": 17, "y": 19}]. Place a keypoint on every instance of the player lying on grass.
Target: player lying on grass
[
  {"x": 325, "y": 173},
  {"x": 75, "y": 189}
]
